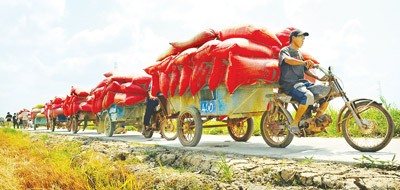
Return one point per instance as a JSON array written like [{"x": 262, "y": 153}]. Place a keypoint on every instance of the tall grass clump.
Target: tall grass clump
[
  {"x": 44, "y": 164},
  {"x": 395, "y": 113}
]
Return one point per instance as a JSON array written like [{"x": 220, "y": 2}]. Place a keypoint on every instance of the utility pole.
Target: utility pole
[{"x": 115, "y": 66}]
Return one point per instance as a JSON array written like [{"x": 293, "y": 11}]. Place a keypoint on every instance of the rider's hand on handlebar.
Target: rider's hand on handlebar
[{"x": 309, "y": 64}]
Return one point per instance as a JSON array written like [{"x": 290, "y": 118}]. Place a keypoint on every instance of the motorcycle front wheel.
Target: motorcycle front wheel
[{"x": 377, "y": 129}]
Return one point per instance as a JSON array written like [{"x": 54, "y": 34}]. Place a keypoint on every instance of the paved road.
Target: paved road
[{"x": 323, "y": 149}]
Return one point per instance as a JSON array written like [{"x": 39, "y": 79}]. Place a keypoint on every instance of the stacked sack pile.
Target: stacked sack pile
[
  {"x": 77, "y": 100},
  {"x": 119, "y": 89},
  {"x": 21, "y": 113},
  {"x": 236, "y": 56},
  {"x": 37, "y": 111},
  {"x": 54, "y": 108}
]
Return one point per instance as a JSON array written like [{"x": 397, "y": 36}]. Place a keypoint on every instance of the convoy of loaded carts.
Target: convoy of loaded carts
[{"x": 215, "y": 79}]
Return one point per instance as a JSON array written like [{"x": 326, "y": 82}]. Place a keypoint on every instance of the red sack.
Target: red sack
[
  {"x": 170, "y": 51},
  {"x": 185, "y": 79},
  {"x": 108, "y": 74},
  {"x": 133, "y": 89},
  {"x": 58, "y": 100},
  {"x": 97, "y": 91},
  {"x": 143, "y": 81},
  {"x": 97, "y": 105},
  {"x": 284, "y": 35},
  {"x": 66, "y": 107},
  {"x": 119, "y": 79},
  {"x": 56, "y": 106},
  {"x": 85, "y": 107},
  {"x": 199, "y": 76},
  {"x": 204, "y": 51},
  {"x": 218, "y": 72},
  {"x": 113, "y": 87},
  {"x": 307, "y": 56},
  {"x": 164, "y": 84},
  {"x": 241, "y": 46},
  {"x": 130, "y": 100},
  {"x": 160, "y": 66},
  {"x": 261, "y": 35},
  {"x": 108, "y": 100},
  {"x": 89, "y": 99},
  {"x": 57, "y": 112},
  {"x": 101, "y": 84},
  {"x": 155, "y": 84},
  {"x": 245, "y": 71},
  {"x": 75, "y": 107},
  {"x": 174, "y": 81},
  {"x": 196, "y": 41},
  {"x": 79, "y": 91},
  {"x": 183, "y": 58}
]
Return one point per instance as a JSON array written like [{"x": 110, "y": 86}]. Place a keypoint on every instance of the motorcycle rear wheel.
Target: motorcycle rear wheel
[{"x": 273, "y": 128}]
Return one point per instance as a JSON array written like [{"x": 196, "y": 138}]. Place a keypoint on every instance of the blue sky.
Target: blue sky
[{"x": 47, "y": 46}]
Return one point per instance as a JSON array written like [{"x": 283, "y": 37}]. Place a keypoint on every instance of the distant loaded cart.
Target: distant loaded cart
[
  {"x": 54, "y": 113},
  {"x": 120, "y": 101},
  {"x": 78, "y": 109},
  {"x": 38, "y": 117}
]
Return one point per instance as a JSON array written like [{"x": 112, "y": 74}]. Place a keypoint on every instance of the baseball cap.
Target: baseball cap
[{"x": 296, "y": 33}]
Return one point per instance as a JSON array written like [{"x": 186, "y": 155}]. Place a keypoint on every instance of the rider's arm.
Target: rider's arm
[{"x": 293, "y": 61}]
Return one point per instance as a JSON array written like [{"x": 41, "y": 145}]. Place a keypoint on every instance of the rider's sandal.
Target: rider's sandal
[{"x": 295, "y": 131}]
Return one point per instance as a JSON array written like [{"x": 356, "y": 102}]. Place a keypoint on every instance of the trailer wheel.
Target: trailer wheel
[
  {"x": 241, "y": 130},
  {"x": 52, "y": 124},
  {"x": 190, "y": 126},
  {"x": 109, "y": 126},
  {"x": 69, "y": 128},
  {"x": 85, "y": 122},
  {"x": 100, "y": 125},
  {"x": 74, "y": 124},
  {"x": 48, "y": 124}
]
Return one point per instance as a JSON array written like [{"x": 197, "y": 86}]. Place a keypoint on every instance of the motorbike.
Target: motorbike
[{"x": 365, "y": 124}]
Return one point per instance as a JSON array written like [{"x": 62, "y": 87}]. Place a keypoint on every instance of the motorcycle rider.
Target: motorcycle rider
[
  {"x": 292, "y": 82},
  {"x": 151, "y": 104}
]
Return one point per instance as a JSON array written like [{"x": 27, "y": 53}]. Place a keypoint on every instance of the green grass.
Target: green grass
[{"x": 226, "y": 174}]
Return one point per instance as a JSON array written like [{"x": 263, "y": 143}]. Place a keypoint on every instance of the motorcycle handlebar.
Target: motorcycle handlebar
[{"x": 326, "y": 72}]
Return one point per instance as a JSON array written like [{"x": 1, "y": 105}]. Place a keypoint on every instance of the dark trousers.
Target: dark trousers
[{"x": 150, "y": 108}]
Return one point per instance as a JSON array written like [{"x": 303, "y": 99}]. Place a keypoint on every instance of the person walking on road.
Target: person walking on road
[
  {"x": 8, "y": 119},
  {"x": 15, "y": 120}
]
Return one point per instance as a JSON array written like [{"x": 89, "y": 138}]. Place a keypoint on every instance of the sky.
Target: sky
[{"x": 47, "y": 46}]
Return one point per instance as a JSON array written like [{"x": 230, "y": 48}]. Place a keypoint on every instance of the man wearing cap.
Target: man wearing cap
[{"x": 291, "y": 81}]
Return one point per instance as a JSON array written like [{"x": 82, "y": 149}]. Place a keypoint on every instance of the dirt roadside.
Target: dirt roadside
[{"x": 182, "y": 169}]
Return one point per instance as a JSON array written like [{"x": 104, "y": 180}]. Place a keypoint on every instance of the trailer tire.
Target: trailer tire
[
  {"x": 100, "y": 124},
  {"x": 235, "y": 131},
  {"x": 109, "y": 126},
  {"x": 190, "y": 126},
  {"x": 74, "y": 125}
]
